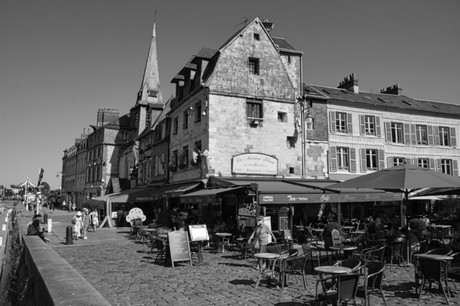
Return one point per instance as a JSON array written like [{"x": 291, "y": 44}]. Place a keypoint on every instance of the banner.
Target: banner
[{"x": 40, "y": 176}]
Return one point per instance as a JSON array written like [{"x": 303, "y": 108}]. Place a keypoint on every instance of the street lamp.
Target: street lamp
[{"x": 305, "y": 118}]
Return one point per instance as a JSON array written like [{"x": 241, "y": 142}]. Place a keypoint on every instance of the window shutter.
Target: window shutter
[
  {"x": 455, "y": 167},
  {"x": 430, "y": 135},
  {"x": 378, "y": 130},
  {"x": 387, "y": 131},
  {"x": 453, "y": 138},
  {"x": 390, "y": 162},
  {"x": 349, "y": 124},
  {"x": 407, "y": 134},
  {"x": 432, "y": 164},
  {"x": 413, "y": 135},
  {"x": 332, "y": 121},
  {"x": 381, "y": 159},
  {"x": 363, "y": 161},
  {"x": 333, "y": 159},
  {"x": 362, "y": 129},
  {"x": 436, "y": 135},
  {"x": 353, "y": 160}
]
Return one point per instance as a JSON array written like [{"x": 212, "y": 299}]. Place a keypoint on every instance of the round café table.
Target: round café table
[
  {"x": 224, "y": 240},
  {"x": 269, "y": 271},
  {"x": 346, "y": 249},
  {"x": 332, "y": 270}
]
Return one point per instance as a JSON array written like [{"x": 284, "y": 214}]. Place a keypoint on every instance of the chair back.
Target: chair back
[
  {"x": 440, "y": 251},
  {"x": 336, "y": 238},
  {"x": 347, "y": 286},
  {"x": 352, "y": 263},
  {"x": 295, "y": 264},
  {"x": 376, "y": 254},
  {"x": 430, "y": 269},
  {"x": 274, "y": 248},
  {"x": 374, "y": 274}
]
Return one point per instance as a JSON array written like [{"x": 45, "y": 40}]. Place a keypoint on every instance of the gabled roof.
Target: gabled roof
[{"x": 386, "y": 100}]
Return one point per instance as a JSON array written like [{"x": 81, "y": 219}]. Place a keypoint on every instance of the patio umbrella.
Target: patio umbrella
[{"x": 403, "y": 178}]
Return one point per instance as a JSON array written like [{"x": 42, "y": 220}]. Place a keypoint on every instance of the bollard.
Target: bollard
[
  {"x": 50, "y": 225},
  {"x": 45, "y": 218},
  {"x": 69, "y": 235}
]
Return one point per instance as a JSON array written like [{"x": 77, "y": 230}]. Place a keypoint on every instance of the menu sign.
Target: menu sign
[
  {"x": 179, "y": 247},
  {"x": 198, "y": 232}
]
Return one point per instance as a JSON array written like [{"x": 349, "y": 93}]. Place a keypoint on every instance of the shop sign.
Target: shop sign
[{"x": 255, "y": 163}]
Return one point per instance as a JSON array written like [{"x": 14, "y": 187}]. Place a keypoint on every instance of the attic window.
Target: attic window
[
  {"x": 152, "y": 93},
  {"x": 256, "y": 36},
  {"x": 253, "y": 65}
]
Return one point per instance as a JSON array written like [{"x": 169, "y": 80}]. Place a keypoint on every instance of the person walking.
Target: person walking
[
  {"x": 260, "y": 235},
  {"x": 94, "y": 219},
  {"x": 85, "y": 223},
  {"x": 77, "y": 222}
]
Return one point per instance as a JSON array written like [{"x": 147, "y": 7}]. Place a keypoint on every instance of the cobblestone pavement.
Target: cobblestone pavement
[{"x": 126, "y": 273}]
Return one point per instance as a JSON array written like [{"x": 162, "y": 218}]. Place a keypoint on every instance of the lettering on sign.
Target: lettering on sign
[
  {"x": 292, "y": 198},
  {"x": 267, "y": 199},
  {"x": 254, "y": 163},
  {"x": 179, "y": 247}
]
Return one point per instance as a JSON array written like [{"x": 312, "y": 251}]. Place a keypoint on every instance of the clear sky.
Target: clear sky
[{"x": 62, "y": 60}]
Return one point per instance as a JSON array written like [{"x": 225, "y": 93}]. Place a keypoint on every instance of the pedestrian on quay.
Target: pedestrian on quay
[
  {"x": 69, "y": 205},
  {"x": 93, "y": 219},
  {"x": 85, "y": 222},
  {"x": 77, "y": 222},
  {"x": 260, "y": 237}
]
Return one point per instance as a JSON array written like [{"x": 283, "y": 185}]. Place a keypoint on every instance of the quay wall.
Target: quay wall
[{"x": 55, "y": 282}]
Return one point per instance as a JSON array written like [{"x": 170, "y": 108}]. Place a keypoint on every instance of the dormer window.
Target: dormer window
[{"x": 152, "y": 93}]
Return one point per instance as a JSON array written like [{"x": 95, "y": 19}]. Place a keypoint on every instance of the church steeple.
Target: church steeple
[{"x": 150, "y": 91}]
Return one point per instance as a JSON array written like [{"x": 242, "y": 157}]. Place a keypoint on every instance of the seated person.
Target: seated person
[
  {"x": 34, "y": 229},
  {"x": 376, "y": 229},
  {"x": 327, "y": 232}
]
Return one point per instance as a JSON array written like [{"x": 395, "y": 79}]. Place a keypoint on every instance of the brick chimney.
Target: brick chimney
[
  {"x": 350, "y": 83},
  {"x": 392, "y": 90}
]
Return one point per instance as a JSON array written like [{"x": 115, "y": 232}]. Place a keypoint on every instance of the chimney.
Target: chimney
[
  {"x": 392, "y": 90},
  {"x": 350, "y": 83},
  {"x": 268, "y": 25}
]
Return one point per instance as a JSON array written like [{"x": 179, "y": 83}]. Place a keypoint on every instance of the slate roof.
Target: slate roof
[
  {"x": 283, "y": 44},
  {"x": 399, "y": 102}
]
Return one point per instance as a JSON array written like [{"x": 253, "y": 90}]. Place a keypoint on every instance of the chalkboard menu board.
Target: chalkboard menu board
[
  {"x": 283, "y": 223},
  {"x": 179, "y": 247},
  {"x": 198, "y": 232}
]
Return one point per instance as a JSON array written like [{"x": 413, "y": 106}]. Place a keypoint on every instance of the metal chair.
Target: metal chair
[
  {"x": 432, "y": 271},
  {"x": 372, "y": 282},
  {"x": 346, "y": 286},
  {"x": 397, "y": 252},
  {"x": 293, "y": 265}
]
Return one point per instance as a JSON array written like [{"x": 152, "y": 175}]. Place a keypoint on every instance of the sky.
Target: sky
[{"x": 62, "y": 60}]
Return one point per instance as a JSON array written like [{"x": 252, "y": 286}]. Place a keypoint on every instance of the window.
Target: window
[
  {"x": 444, "y": 136},
  {"x": 256, "y": 36},
  {"x": 152, "y": 93},
  {"x": 254, "y": 109},
  {"x": 446, "y": 166},
  {"x": 291, "y": 170},
  {"x": 176, "y": 125},
  {"x": 341, "y": 122},
  {"x": 397, "y": 135},
  {"x": 254, "y": 65},
  {"x": 398, "y": 161},
  {"x": 185, "y": 122},
  {"x": 175, "y": 160},
  {"x": 198, "y": 146},
  {"x": 372, "y": 159},
  {"x": 185, "y": 158},
  {"x": 290, "y": 140},
  {"x": 369, "y": 125},
  {"x": 422, "y": 135},
  {"x": 423, "y": 162},
  {"x": 198, "y": 112},
  {"x": 342, "y": 159},
  {"x": 310, "y": 123},
  {"x": 282, "y": 117}
]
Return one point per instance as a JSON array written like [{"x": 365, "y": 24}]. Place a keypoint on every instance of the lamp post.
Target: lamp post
[{"x": 305, "y": 107}]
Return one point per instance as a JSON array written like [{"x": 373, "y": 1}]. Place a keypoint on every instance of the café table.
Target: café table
[
  {"x": 147, "y": 233},
  {"x": 346, "y": 249},
  {"x": 269, "y": 270},
  {"x": 334, "y": 270},
  {"x": 224, "y": 240}
]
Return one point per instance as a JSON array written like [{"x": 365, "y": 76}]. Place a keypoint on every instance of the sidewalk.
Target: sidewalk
[{"x": 125, "y": 273}]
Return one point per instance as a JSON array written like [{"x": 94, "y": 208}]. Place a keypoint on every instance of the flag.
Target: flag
[{"x": 40, "y": 176}]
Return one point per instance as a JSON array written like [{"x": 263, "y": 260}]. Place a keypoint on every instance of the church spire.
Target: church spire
[{"x": 150, "y": 91}]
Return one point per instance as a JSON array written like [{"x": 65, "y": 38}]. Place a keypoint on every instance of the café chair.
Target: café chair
[
  {"x": 345, "y": 289},
  {"x": 440, "y": 251},
  {"x": 432, "y": 271},
  {"x": 373, "y": 274},
  {"x": 162, "y": 251},
  {"x": 292, "y": 265},
  {"x": 397, "y": 252},
  {"x": 376, "y": 253},
  {"x": 312, "y": 252},
  {"x": 352, "y": 263}
]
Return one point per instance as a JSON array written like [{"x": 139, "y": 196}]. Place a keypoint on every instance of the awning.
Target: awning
[
  {"x": 207, "y": 195},
  {"x": 175, "y": 193},
  {"x": 298, "y": 192},
  {"x": 148, "y": 194}
]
